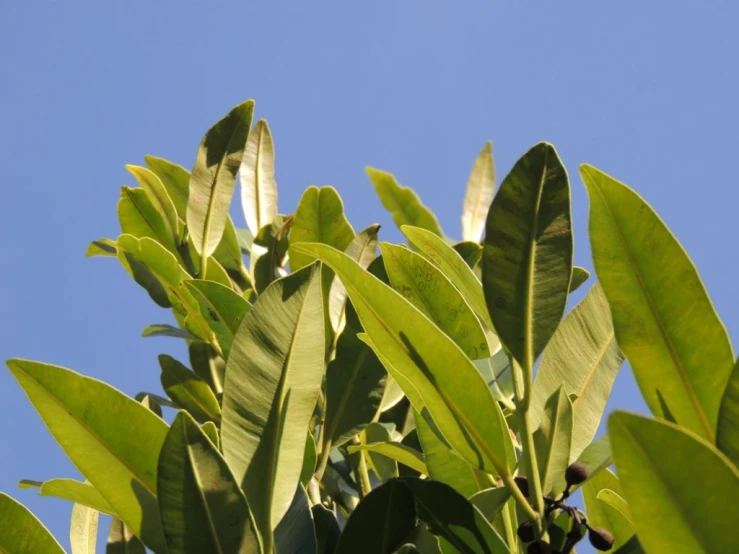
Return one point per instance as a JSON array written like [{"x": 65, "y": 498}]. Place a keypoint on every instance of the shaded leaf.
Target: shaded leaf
[
  {"x": 159, "y": 198},
  {"x": 295, "y": 533},
  {"x": 21, "y": 532},
  {"x": 471, "y": 252},
  {"x": 272, "y": 240},
  {"x": 727, "y": 435},
  {"x": 257, "y": 176},
  {"x": 145, "y": 277},
  {"x": 188, "y": 390},
  {"x": 552, "y": 441},
  {"x": 113, "y": 440},
  {"x": 102, "y": 247},
  {"x": 208, "y": 365},
  {"x": 165, "y": 330},
  {"x": 404, "y": 204},
  {"x": 309, "y": 460},
  {"x": 83, "y": 530},
  {"x": 491, "y": 501},
  {"x": 70, "y": 489},
  {"x": 650, "y": 282},
  {"x": 479, "y": 194},
  {"x": 579, "y": 276},
  {"x": 122, "y": 541},
  {"x": 139, "y": 217},
  {"x": 213, "y": 178},
  {"x": 395, "y": 451},
  {"x": 327, "y": 529},
  {"x": 527, "y": 255},
  {"x": 211, "y": 431},
  {"x": 384, "y": 467}
]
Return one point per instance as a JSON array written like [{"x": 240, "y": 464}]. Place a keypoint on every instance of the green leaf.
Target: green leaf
[
  {"x": 384, "y": 467},
  {"x": 596, "y": 456},
  {"x": 159, "y": 198},
  {"x": 395, "y": 451},
  {"x": 295, "y": 533},
  {"x": 454, "y": 519},
  {"x": 215, "y": 272},
  {"x": 496, "y": 370},
  {"x": 727, "y": 435},
  {"x": 222, "y": 308},
  {"x": 427, "y": 288},
  {"x": 553, "y": 439},
  {"x": 144, "y": 277},
  {"x": 584, "y": 358},
  {"x": 618, "y": 515},
  {"x": 273, "y": 242},
  {"x": 444, "y": 381},
  {"x": 21, "y": 532},
  {"x": 201, "y": 505},
  {"x": 327, "y": 529},
  {"x": 113, "y": 440},
  {"x": 213, "y": 178},
  {"x": 527, "y": 256},
  {"x": 676, "y": 506},
  {"x": 579, "y": 276},
  {"x": 355, "y": 382},
  {"x": 309, "y": 460},
  {"x": 479, "y": 195},
  {"x": 122, "y": 541},
  {"x": 229, "y": 255},
  {"x": 69, "y": 489},
  {"x": 319, "y": 218},
  {"x": 83, "y": 530},
  {"x": 491, "y": 501},
  {"x": 257, "y": 175},
  {"x": 594, "y": 509},
  {"x": 102, "y": 247},
  {"x": 471, "y": 252},
  {"x": 454, "y": 267},
  {"x": 175, "y": 179},
  {"x": 650, "y": 282},
  {"x": 188, "y": 390},
  {"x": 139, "y": 217},
  {"x": 166, "y": 330},
  {"x": 404, "y": 204},
  {"x": 273, "y": 378},
  {"x": 381, "y": 522},
  {"x": 208, "y": 365},
  {"x": 211, "y": 431}
]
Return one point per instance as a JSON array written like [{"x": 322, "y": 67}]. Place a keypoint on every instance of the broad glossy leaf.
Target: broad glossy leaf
[
  {"x": 159, "y": 198},
  {"x": 113, "y": 440},
  {"x": 309, "y": 460},
  {"x": 213, "y": 177},
  {"x": 272, "y": 242},
  {"x": 584, "y": 358},
  {"x": 296, "y": 533},
  {"x": 527, "y": 255},
  {"x": 122, "y": 541},
  {"x": 664, "y": 320},
  {"x": 384, "y": 467},
  {"x": 496, "y": 370},
  {"x": 362, "y": 249},
  {"x": 176, "y": 180},
  {"x": 594, "y": 509},
  {"x": 138, "y": 216},
  {"x": 427, "y": 288},
  {"x": 273, "y": 378},
  {"x": 579, "y": 276},
  {"x": 21, "y": 532},
  {"x": 480, "y": 189},
  {"x": 355, "y": 383},
  {"x": 553, "y": 440},
  {"x": 83, "y": 529},
  {"x": 215, "y": 272},
  {"x": 166, "y": 330},
  {"x": 211, "y": 431},
  {"x": 454, "y": 267},
  {"x": 404, "y": 204},
  {"x": 319, "y": 218},
  {"x": 327, "y": 529},
  {"x": 727, "y": 435},
  {"x": 673, "y": 511},
  {"x": 491, "y": 501},
  {"x": 450, "y": 516},
  {"x": 618, "y": 515},
  {"x": 381, "y": 522},
  {"x": 222, "y": 308},
  {"x": 257, "y": 176},
  {"x": 471, "y": 252},
  {"x": 229, "y": 255},
  {"x": 208, "y": 365},
  {"x": 201, "y": 505},
  {"x": 443, "y": 378},
  {"x": 70, "y": 489},
  {"x": 102, "y": 247},
  {"x": 188, "y": 390},
  {"x": 144, "y": 277},
  {"x": 395, "y": 451}
]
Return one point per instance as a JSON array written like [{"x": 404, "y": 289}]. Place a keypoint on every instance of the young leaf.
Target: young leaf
[
  {"x": 395, "y": 451},
  {"x": 480, "y": 189},
  {"x": 553, "y": 439},
  {"x": 527, "y": 255},
  {"x": 319, "y": 218},
  {"x": 83, "y": 530},
  {"x": 80, "y": 493},
  {"x": 257, "y": 175},
  {"x": 650, "y": 282},
  {"x": 273, "y": 378},
  {"x": 122, "y": 541},
  {"x": 727, "y": 435},
  {"x": 425, "y": 286},
  {"x": 176, "y": 181},
  {"x": 201, "y": 505},
  {"x": 21, "y": 532},
  {"x": 213, "y": 178},
  {"x": 295, "y": 534},
  {"x": 404, "y": 204},
  {"x": 445, "y": 382},
  {"x": 159, "y": 198},
  {"x": 166, "y": 330},
  {"x": 113, "y": 440},
  {"x": 584, "y": 358},
  {"x": 188, "y": 390},
  {"x": 381, "y": 522},
  {"x": 102, "y": 247},
  {"x": 677, "y": 507}
]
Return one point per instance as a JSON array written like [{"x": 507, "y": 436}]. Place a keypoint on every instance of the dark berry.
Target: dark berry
[
  {"x": 539, "y": 547},
  {"x": 576, "y": 473},
  {"x": 523, "y": 485},
  {"x": 600, "y": 538},
  {"x": 526, "y": 531}
]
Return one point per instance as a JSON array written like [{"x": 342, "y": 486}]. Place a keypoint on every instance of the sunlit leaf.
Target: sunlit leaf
[
  {"x": 21, "y": 532},
  {"x": 188, "y": 390},
  {"x": 83, "y": 529},
  {"x": 395, "y": 451},
  {"x": 309, "y": 460},
  {"x": 594, "y": 509},
  {"x": 139, "y": 217},
  {"x": 175, "y": 179},
  {"x": 618, "y": 515},
  {"x": 480, "y": 189},
  {"x": 257, "y": 176},
  {"x": 552, "y": 440},
  {"x": 159, "y": 198},
  {"x": 70, "y": 489},
  {"x": 166, "y": 330},
  {"x": 727, "y": 435},
  {"x": 491, "y": 501},
  {"x": 579, "y": 276},
  {"x": 102, "y": 247}
]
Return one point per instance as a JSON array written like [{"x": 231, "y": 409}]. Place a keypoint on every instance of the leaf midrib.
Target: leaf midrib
[{"x": 591, "y": 371}]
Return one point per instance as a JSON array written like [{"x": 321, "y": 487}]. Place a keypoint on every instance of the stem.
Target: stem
[
  {"x": 203, "y": 266},
  {"x": 510, "y": 536},
  {"x": 323, "y": 461},
  {"x": 521, "y": 499}
]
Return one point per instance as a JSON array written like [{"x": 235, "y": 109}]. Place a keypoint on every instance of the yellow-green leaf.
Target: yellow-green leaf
[
  {"x": 83, "y": 529},
  {"x": 480, "y": 189},
  {"x": 727, "y": 436},
  {"x": 69, "y": 489},
  {"x": 159, "y": 198},
  {"x": 257, "y": 175},
  {"x": 188, "y": 390},
  {"x": 21, "y": 532}
]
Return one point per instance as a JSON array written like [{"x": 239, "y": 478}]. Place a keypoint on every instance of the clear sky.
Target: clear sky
[{"x": 646, "y": 91}]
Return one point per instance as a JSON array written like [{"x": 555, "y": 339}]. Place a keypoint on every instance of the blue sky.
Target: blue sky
[{"x": 646, "y": 91}]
